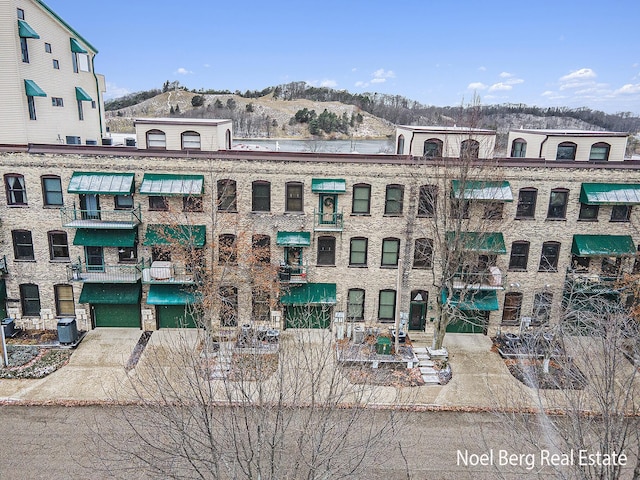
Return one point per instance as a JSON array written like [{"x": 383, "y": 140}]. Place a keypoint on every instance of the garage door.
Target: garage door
[
  {"x": 307, "y": 316},
  {"x": 175, "y": 316},
  {"x": 472, "y": 321},
  {"x": 109, "y": 315}
]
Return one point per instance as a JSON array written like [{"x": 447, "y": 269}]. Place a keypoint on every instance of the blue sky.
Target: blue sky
[{"x": 545, "y": 53}]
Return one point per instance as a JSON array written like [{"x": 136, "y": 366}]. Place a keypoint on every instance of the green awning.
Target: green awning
[
  {"x": 328, "y": 185},
  {"x": 76, "y": 47},
  {"x": 610, "y": 194},
  {"x": 101, "y": 183},
  {"x": 25, "y": 30},
  {"x": 171, "y": 295},
  {"x": 310, "y": 294},
  {"x": 184, "y": 235},
  {"x": 293, "y": 239},
  {"x": 111, "y": 293},
  {"x": 82, "y": 95},
  {"x": 90, "y": 237},
  {"x": 480, "y": 190},
  {"x": 483, "y": 300},
  {"x": 481, "y": 242},
  {"x": 166, "y": 185},
  {"x": 33, "y": 90},
  {"x": 603, "y": 246}
]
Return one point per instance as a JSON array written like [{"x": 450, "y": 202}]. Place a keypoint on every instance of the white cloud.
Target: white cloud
[
  {"x": 378, "y": 80},
  {"x": 206, "y": 65},
  {"x": 113, "y": 91},
  {"x": 582, "y": 74},
  {"x": 629, "y": 88},
  {"x": 328, "y": 83},
  {"x": 476, "y": 86},
  {"x": 354, "y": 69},
  {"x": 183, "y": 71},
  {"x": 361, "y": 84},
  {"x": 381, "y": 73},
  {"x": 499, "y": 86},
  {"x": 482, "y": 69},
  {"x": 506, "y": 75}
]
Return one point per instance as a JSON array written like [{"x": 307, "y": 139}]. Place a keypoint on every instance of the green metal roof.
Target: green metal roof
[
  {"x": 293, "y": 239},
  {"x": 33, "y": 90},
  {"x": 82, "y": 95},
  {"x": 310, "y": 294},
  {"x": 65, "y": 24},
  {"x": 161, "y": 184},
  {"x": 610, "y": 194},
  {"x": 328, "y": 185},
  {"x": 184, "y": 235},
  {"x": 481, "y": 242},
  {"x": 171, "y": 295},
  {"x": 603, "y": 246},
  {"x": 482, "y": 190},
  {"x": 90, "y": 237},
  {"x": 483, "y": 300},
  {"x": 101, "y": 183},
  {"x": 76, "y": 47},
  {"x": 25, "y": 30},
  {"x": 111, "y": 293}
]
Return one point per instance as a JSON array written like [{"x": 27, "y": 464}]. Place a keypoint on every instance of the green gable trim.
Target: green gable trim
[
  {"x": 603, "y": 246},
  {"x": 166, "y": 185},
  {"x": 90, "y": 237},
  {"x": 183, "y": 235},
  {"x": 33, "y": 90},
  {"x": 82, "y": 95},
  {"x": 65, "y": 24},
  {"x": 610, "y": 194},
  {"x": 293, "y": 239},
  {"x": 111, "y": 293},
  {"x": 76, "y": 47},
  {"x": 482, "y": 300},
  {"x": 101, "y": 183},
  {"x": 171, "y": 295},
  {"x": 481, "y": 242},
  {"x": 328, "y": 185},
  {"x": 310, "y": 294},
  {"x": 481, "y": 190},
  {"x": 25, "y": 30}
]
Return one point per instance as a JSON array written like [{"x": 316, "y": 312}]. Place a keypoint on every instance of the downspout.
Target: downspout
[
  {"x": 100, "y": 99},
  {"x": 542, "y": 145}
]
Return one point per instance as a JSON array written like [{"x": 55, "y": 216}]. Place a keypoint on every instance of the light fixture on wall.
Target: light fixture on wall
[{"x": 514, "y": 285}]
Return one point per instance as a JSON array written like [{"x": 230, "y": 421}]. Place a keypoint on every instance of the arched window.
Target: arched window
[
  {"x": 400, "y": 147},
  {"x": 470, "y": 149},
  {"x": 190, "y": 140},
  {"x": 519, "y": 148},
  {"x": 227, "y": 201},
  {"x": 432, "y": 148},
  {"x": 156, "y": 139},
  {"x": 566, "y": 151},
  {"x": 599, "y": 152},
  {"x": 227, "y": 140},
  {"x": 512, "y": 305}
]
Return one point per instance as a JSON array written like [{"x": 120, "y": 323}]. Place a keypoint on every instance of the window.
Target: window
[
  {"x": 620, "y": 213},
  {"x": 94, "y": 256},
  {"x": 160, "y": 254},
  {"x": 20, "y": 14},
  {"x": 423, "y": 253},
  {"x": 190, "y": 141},
  {"x": 56, "y": 64},
  {"x": 65, "y": 305},
  {"x": 460, "y": 208},
  {"x": 58, "y": 246},
  {"x": 73, "y": 140},
  {"x": 156, "y": 139},
  {"x": 470, "y": 149},
  {"x": 599, "y": 152},
  {"x": 432, "y": 148},
  {"x": 493, "y": 211},
  {"x": 32, "y": 107},
  {"x": 47, "y": 47},
  {"x": 30, "y": 300},
  {"x": 293, "y": 197},
  {"x": 519, "y": 256},
  {"x": 228, "y": 253},
  {"x": 260, "y": 306},
  {"x": 390, "y": 252},
  {"x": 427, "y": 200},
  {"x": 512, "y": 306},
  {"x": 611, "y": 266},
  {"x": 387, "y": 305},
  {"x": 400, "y": 146},
  {"x": 228, "y": 306},
  {"x": 192, "y": 204},
  {"x": 128, "y": 254},
  {"x": 355, "y": 304},
  {"x": 519, "y": 148},
  {"x": 549, "y": 257},
  {"x": 260, "y": 196},
  {"x": 227, "y": 196},
  {"x": 558, "y": 204},
  {"x": 24, "y": 49},
  {"x": 542, "y": 307},
  {"x": 588, "y": 212},
  {"x": 52, "y": 191},
  {"x": 80, "y": 111},
  {"x": 22, "y": 245},
  {"x": 57, "y": 102},
  {"x": 358, "y": 252},
  {"x": 261, "y": 248},
  {"x": 527, "y": 203},
  {"x": 361, "y": 203},
  {"x": 16, "y": 190},
  {"x": 580, "y": 264},
  {"x": 158, "y": 204},
  {"x": 393, "y": 200},
  {"x": 326, "y": 250},
  {"x": 123, "y": 202},
  {"x": 566, "y": 151}
]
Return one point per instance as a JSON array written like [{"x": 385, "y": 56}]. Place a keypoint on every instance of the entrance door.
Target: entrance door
[
  {"x": 94, "y": 257},
  {"x": 90, "y": 206},
  {"x": 418, "y": 310},
  {"x": 328, "y": 204}
]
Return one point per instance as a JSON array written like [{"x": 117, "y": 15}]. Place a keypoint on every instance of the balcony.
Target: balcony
[
  {"x": 292, "y": 274},
  {"x": 108, "y": 219},
  {"x": 490, "y": 278},
  {"x": 327, "y": 222},
  {"x": 159, "y": 272},
  {"x": 594, "y": 283},
  {"x": 81, "y": 272},
  {"x": 3, "y": 265}
]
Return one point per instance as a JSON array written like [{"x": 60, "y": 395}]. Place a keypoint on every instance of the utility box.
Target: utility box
[
  {"x": 8, "y": 325},
  {"x": 383, "y": 346},
  {"x": 67, "y": 330}
]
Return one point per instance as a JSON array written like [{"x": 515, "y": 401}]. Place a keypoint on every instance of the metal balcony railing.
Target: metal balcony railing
[
  {"x": 76, "y": 218},
  {"x": 292, "y": 274},
  {"x": 81, "y": 272},
  {"x": 328, "y": 222},
  {"x": 490, "y": 279},
  {"x": 166, "y": 272}
]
